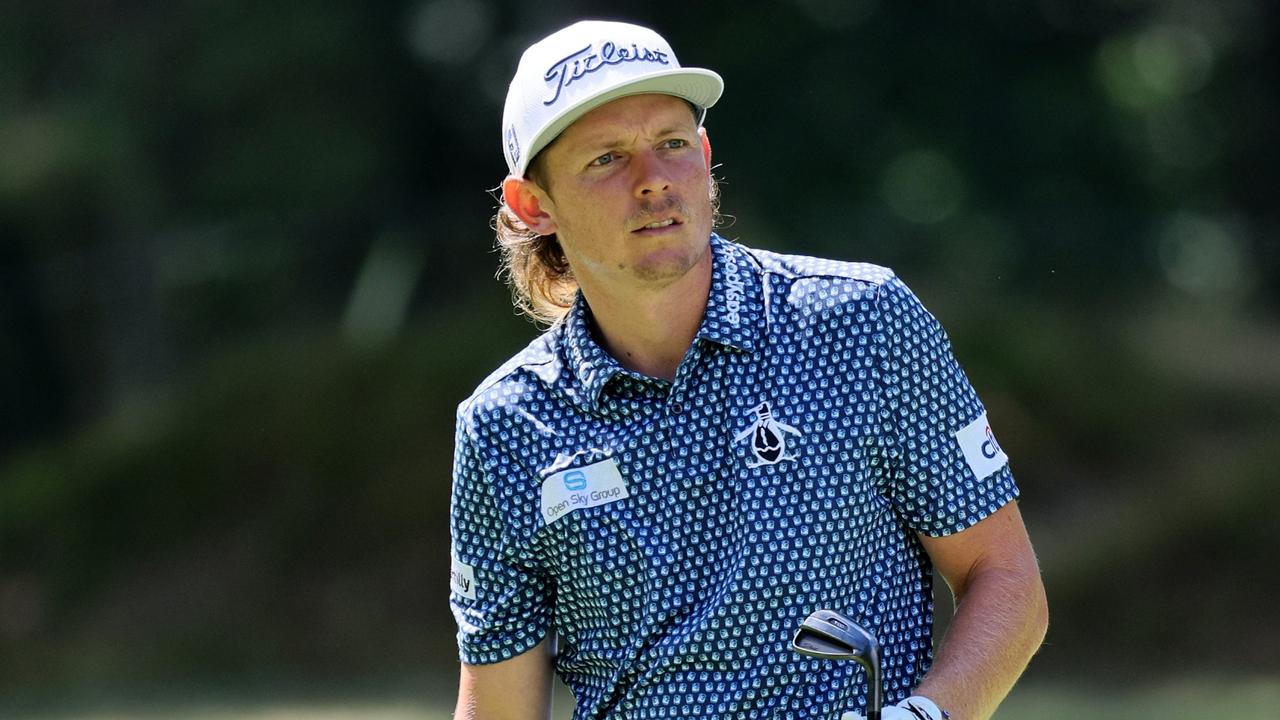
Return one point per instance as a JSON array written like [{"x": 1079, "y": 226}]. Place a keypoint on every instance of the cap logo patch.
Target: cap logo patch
[
  {"x": 583, "y": 62},
  {"x": 513, "y": 145}
]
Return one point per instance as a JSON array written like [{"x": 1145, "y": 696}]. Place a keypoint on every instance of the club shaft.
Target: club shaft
[{"x": 875, "y": 691}]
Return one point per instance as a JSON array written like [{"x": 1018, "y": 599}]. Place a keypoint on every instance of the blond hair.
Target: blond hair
[{"x": 535, "y": 268}]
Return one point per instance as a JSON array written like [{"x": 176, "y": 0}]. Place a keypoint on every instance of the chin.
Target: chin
[{"x": 670, "y": 264}]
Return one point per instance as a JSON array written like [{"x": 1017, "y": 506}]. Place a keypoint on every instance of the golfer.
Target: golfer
[{"x": 711, "y": 441}]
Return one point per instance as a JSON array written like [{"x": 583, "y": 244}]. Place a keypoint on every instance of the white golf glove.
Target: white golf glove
[{"x": 916, "y": 707}]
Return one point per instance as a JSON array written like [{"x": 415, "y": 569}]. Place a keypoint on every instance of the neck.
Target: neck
[{"x": 650, "y": 329}]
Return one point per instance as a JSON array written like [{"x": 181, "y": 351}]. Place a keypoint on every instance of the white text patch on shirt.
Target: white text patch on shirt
[
  {"x": 981, "y": 450},
  {"x": 462, "y": 578},
  {"x": 583, "y": 487}
]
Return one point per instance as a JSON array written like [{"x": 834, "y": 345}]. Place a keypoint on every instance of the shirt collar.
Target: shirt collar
[
  {"x": 733, "y": 318},
  {"x": 735, "y": 306},
  {"x": 591, "y": 365}
]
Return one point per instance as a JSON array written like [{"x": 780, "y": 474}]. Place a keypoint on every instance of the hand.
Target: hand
[{"x": 916, "y": 707}]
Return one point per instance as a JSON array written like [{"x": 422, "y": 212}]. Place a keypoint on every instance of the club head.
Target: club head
[{"x": 828, "y": 635}]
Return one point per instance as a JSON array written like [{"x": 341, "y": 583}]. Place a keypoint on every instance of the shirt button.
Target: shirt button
[{"x": 676, "y": 408}]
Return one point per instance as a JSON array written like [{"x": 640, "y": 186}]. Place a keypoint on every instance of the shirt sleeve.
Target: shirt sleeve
[
  {"x": 945, "y": 470},
  {"x": 502, "y": 606}
]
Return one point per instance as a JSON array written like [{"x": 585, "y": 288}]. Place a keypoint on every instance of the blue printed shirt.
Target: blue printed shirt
[{"x": 675, "y": 534}]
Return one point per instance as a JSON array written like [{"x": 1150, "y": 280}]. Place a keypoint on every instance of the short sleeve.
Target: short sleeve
[
  {"x": 501, "y": 606},
  {"x": 945, "y": 471}
]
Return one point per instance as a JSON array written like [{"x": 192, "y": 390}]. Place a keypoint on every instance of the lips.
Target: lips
[
  {"x": 657, "y": 216},
  {"x": 658, "y": 224}
]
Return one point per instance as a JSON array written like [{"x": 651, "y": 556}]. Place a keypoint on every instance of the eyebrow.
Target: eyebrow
[{"x": 604, "y": 142}]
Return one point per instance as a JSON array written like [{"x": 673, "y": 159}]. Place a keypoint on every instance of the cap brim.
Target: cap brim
[{"x": 700, "y": 87}]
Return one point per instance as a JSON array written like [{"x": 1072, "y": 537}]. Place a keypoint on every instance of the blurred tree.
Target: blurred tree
[{"x": 245, "y": 276}]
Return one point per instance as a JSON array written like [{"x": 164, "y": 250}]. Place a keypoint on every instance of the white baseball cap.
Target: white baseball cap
[{"x": 575, "y": 70}]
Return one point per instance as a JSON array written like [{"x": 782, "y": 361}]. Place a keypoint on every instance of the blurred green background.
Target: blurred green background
[{"x": 246, "y": 275}]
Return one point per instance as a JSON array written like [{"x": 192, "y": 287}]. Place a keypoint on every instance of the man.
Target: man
[{"x": 711, "y": 442}]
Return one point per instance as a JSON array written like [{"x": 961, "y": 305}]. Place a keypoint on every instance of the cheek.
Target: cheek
[
  {"x": 695, "y": 175},
  {"x": 574, "y": 213},
  {"x": 595, "y": 203}
]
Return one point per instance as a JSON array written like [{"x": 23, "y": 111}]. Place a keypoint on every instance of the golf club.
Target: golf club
[{"x": 828, "y": 635}]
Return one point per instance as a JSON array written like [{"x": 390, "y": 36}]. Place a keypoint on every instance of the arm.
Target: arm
[
  {"x": 515, "y": 689},
  {"x": 1001, "y": 614}
]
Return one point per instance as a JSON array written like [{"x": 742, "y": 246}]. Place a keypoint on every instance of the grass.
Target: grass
[{"x": 1179, "y": 699}]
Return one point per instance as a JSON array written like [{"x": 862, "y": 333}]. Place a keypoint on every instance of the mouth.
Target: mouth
[{"x": 657, "y": 225}]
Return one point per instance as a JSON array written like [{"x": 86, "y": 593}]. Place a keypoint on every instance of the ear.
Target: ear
[
  {"x": 706, "y": 147},
  {"x": 527, "y": 201}
]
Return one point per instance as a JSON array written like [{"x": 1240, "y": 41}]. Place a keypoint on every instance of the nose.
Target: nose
[{"x": 651, "y": 176}]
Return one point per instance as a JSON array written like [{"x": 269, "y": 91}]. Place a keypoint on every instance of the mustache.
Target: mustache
[{"x": 651, "y": 209}]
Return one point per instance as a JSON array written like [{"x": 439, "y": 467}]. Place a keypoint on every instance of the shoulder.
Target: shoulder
[
  {"x": 805, "y": 266},
  {"x": 816, "y": 284},
  {"x": 523, "y": 379}
]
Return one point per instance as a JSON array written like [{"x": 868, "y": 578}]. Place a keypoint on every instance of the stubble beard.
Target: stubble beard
[{"x": 670, "y": 263}]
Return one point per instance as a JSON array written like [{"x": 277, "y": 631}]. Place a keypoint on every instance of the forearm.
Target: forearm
[
  {"x": 515, "y": 689},
  {"x": 1000, "y": 621}
]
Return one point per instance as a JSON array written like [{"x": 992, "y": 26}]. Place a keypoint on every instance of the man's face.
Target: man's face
[{"x": 628, "y": 192}]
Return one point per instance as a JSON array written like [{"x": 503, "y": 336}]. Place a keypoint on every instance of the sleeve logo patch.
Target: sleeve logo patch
[
  {"x": 980, "y": 448},
  {"x": 462, "y": 578},
  {"x": 582, "y": 487}
]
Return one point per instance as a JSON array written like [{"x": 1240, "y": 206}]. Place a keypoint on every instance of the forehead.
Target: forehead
[{"x": 630, "y": 116}]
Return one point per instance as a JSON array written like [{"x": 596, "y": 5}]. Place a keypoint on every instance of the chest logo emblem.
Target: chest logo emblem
[{"x": 768, "y": 438}]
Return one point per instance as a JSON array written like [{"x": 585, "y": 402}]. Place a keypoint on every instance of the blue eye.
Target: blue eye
[
  {"x": 676, "y": 143},
  {"x": 604, "y": 159}
]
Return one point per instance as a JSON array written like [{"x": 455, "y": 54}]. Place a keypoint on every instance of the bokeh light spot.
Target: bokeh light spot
[
  {"x": 1160, "y": 63},
  {"x": 450, "y": 32},
  {"x": 1173, "y": 60},
  {"x": 1203, "y": 257},
  {"x": 841, "y": 14},
  {"x": 923, "y": 186}
]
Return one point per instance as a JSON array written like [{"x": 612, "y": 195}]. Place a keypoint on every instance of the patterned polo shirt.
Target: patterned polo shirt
[{"x": 675, "y": 534}]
